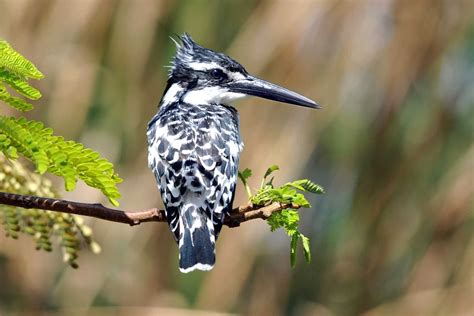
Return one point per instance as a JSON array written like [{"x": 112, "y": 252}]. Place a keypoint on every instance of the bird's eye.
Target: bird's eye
[{"x": 218, "y": 74}]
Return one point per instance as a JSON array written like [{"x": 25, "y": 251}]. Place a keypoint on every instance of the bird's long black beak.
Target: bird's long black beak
[{"x": 264, "y": 89}]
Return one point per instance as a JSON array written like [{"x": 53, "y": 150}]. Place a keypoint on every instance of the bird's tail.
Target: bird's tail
[{"x": 197, "y": 240}]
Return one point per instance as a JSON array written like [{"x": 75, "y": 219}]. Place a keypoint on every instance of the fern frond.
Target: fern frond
[
  {"x": 14, "y": 102},
  {"x": 25, "y": 142},
  {"x": 15, "y": 62},
  {"x": 15, "y": 71},
  {"x": 19, "y": 84},
  {"x": 66, "y": 159}
]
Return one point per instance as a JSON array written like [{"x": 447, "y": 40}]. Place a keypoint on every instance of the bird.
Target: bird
[{"x": 194, "y": 144}]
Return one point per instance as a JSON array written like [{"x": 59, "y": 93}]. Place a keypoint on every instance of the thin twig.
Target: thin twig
[{"x": 238, "y": 215}]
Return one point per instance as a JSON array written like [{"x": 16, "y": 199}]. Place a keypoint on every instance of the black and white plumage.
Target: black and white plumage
[{"x": 194, "y": 145}]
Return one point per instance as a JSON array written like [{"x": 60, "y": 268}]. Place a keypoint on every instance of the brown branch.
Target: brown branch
[{"x": 238, "y": 215}]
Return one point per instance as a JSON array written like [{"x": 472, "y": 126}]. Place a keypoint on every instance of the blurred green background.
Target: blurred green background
[{"x": 393, "y": 147}]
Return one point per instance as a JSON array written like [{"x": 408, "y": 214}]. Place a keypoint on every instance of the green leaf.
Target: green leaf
[
  {"x": 244, "y": 175},
  {"x": 293, "y": 247},
  {"x": 267, "y": 173},
  {"x": 300, "y": 199},
  {"x": 270, "y": 170},
  {"x": 15, "y": 62},
  {"x": 15, "y": 71},
  {"x": 114, "y": 201},
  {"x": 287, "y": 219},
  {"x": 307, "y": 185},
  {"x": 14, "y": 102},
  {"x": 19, "y": 84},
  {"x": 12, "y": 152},
  {"x": 41, "y": 159},
  {"x": 69, "y": 178},
  {"x": 296, "y": 185},
  {"x": 306, "y": 247}
]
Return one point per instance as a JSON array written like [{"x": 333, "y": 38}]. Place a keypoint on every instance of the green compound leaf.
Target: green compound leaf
[
  {"x": 19, "y": 84},
  {"x": 287, "y": 219},
  {"x": 67, "y": 159},
  {"x": 15, "y": 62},
  {"x": 15, "y": 70},
  {"x": 14, "y": 102},
  {"x": 290, "y": 193},
  {"x": 307, "y": 185}
]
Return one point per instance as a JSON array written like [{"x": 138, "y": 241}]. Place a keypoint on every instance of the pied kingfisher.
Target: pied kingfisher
[{"x": 194, "y": 145}]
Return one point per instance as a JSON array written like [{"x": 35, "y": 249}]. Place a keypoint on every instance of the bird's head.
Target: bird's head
[{"x": 202, "y": 76}]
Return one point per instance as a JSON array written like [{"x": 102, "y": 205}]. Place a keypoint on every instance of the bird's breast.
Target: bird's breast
[{"x": 205, "y": 134}]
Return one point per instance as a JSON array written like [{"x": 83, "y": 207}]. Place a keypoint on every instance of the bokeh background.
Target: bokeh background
[{"x": 393, "y": 147}]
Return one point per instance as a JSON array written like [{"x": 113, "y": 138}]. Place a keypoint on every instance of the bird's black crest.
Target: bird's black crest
[{"x": 188, "y": 51}]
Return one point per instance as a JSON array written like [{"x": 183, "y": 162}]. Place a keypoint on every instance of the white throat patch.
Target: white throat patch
[{"x": 212, "y": 95}]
